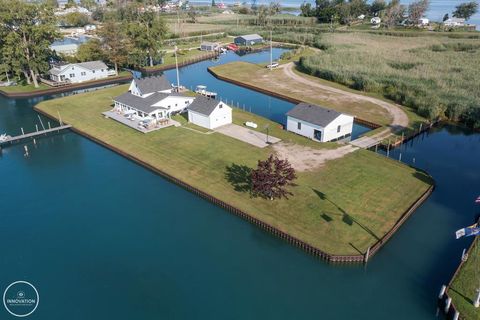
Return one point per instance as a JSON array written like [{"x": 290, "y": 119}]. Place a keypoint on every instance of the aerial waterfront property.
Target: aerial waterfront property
[{"x": 211, "y": 185}]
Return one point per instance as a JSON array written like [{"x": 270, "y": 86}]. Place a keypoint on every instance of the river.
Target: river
[{"x": 103, "y": 238}]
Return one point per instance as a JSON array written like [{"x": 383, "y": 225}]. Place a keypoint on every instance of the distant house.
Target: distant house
[
  {"x": 209, "y": 46},
  {"x": 90, "y": 27},
  {"x": 423, "y": 21},
  {"x": 375, "y": 20},
  {"x": 248, "y": 40},
  {"x": 151, "y": 98},
  {"x": 80, "y": 72},
  {"x": 69, "y": 45},
  {"x": 318, "y": 123},
  {"x": 209, "y": 113},
  {"x": 454, "y": 22}
]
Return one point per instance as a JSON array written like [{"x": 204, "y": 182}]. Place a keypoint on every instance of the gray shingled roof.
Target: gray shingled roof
[
  {"x": 139, "y": 103},
  {"x": 153, "y": 84},
  {"x": 203, "y": 105},
  {"x": 92, "y": 65},
  {"x": 249, "y": 37},
  {"x": 313, "y": 114}
]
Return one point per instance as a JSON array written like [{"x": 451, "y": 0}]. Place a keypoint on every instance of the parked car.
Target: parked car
[{"x": 273, "y": 65}]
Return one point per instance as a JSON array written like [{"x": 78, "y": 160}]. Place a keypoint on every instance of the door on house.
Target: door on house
[
  {"x": 317, "y": 134},
  {"x": 62, "y": 77}
]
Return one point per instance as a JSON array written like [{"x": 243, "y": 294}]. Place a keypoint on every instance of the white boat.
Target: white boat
[
  {"x": 4, "y": 137},
  {"x": 203, "y": 91}
]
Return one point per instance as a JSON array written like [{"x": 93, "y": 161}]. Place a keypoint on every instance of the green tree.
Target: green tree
[
  {"x": 416, "y": 10},
  {"x": 465, "y": 10},
  {"x": 76, "y": 19},
  {"x": 90, "y": 51},
  {"x": 27, "y": 29},
  {"x": 70, "y": 4},
  {"x": 89, "y": 4},
  {"x": 213, "y": 3},
  {"x": 146, "y": 35},
  {"x": 445, "y": 17},
  {"x": 115, "y": 43},
  {"x": 377, "y": 6},
  {"x": 192, "y": 14},
  {"x": 393, "y": 13},
  {"x": 306, "y": 10},
  {"x": 274, "y": 8}
]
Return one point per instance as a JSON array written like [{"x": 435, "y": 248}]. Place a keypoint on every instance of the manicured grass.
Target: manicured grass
[
  {"x": 463, "y": 288},
  {"x": 275, "y": 80},
  {"x": 341, "y": 208}
]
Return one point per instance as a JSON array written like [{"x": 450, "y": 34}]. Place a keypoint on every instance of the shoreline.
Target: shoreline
[
  {"x": 85, "y": 85},
  {"x": 330, "y": 258}
]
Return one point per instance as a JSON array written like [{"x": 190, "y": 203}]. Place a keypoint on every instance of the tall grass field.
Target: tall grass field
[{"x": 435, "y": 75}]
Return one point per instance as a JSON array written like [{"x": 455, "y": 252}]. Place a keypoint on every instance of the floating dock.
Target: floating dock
[{"x": 10, "y": 140}]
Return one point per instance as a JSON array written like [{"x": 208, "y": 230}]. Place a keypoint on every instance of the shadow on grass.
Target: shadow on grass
[
  {"x": 239, "y": 177},
  {"x": 347, "y": 218},
  {"x": 470, "y": 301},
  {"x": 423, "y": 177}
]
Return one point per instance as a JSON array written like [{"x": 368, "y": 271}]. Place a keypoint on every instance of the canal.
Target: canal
[{"x": 103, "y": 238}]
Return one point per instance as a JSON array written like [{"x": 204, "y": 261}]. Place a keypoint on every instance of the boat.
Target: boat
[
  {"x": 4, "y": 137},
  {"x": 203, "y": 91},
  {"x": 232, "y": 47}
]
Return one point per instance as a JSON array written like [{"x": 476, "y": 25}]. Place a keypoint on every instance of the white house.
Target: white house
[
  {"x": 423, "y": 21},
  {"x": 318, "y": 123},
  {"x": 375, "y": 20},
  {"x": 151, "y": 98},
  {"x": 209, "y": 46},
  {"x": 80, "y": 72},
  {"x": 209, "y": 113},
  {"x": 454, "y": 22}
]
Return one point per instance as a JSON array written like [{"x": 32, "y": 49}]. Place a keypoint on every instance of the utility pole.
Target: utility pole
[
  {"x": 271, "y": 54},
  {"x": 176, "y": 65}
]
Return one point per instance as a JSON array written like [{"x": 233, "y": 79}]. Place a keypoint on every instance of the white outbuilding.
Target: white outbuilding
[
  {"x": 318, "y": 123},
  {"x": 209, "y": 113},
  {"x": 375, "y": 20}
]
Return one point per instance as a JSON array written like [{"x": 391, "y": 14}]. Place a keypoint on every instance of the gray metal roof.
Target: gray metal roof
[
  {"x": 204, "y": 105},
  {"x": 139, "y": 103},
  {"x": 153, "y": 84},
  {"x": 249, "y": 37},
  {"x": 207, "y": 43},
  {"x": 313, "y": 114}
]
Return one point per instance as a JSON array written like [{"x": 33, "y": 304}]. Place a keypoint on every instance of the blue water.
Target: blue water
[{"x": 103, "y": 238}]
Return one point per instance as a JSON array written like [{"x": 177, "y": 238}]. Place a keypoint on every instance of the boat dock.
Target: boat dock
[{"x": 9, "y": 139}]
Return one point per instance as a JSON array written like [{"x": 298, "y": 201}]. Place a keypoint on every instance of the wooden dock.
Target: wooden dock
[{"x": 18, "y": 138}]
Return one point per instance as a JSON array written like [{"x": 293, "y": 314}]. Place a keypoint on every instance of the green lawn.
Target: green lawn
[
  {"x": 341, "y": 208},
  {"x": 462, "y": 290},
  {"x": 275, "y": 80}
]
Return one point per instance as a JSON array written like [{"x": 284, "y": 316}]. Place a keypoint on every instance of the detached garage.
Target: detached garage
[
  {"x": 318, "y": 123},
  {"x": 209, "y": 113},
  {"x": 248, "y": 40}
]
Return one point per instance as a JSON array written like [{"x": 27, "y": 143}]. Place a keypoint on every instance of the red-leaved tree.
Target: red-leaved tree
[{"x": 272, "y": 177}]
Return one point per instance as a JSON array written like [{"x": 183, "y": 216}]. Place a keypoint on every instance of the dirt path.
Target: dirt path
[
  {"x": 304, "y": 158},
  {"x": 399, "y": 117}
]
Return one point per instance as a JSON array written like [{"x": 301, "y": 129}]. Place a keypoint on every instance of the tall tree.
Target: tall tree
[
  {"x": 445, "y": 17},
  {"x": 272, "y": 178},
  {"x": 115, "y": 43},
  {"x": 274, "y": 8},
  {"x": 306, "y": 10},
  {"x": 29, "y": 29},
  {"x": 416, "y": 10},
  {"x": 393, "y": 13},
  {"x": 466, "y": 10},
  {"x": 377, "y": 6},
  {"x": 147, "y": 33},
  {"x": 90, "y": 50}
]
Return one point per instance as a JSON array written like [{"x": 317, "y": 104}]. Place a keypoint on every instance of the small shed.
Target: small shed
[
  {"x": 318, "y": 123},
  {"x": 423, "y": 21},
  {"x": 209, "y": 46},
  {"x": 209, "y": 113},
  {"x": 248, "y": 40},
  {"x": 375, "y": 20}
]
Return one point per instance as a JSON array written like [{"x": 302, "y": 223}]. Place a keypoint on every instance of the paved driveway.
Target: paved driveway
[{"x": 258, "y": 139}]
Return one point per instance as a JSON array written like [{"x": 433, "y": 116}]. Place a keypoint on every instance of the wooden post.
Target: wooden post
[
  {"x": 476, "y": 304},
  {"x": 420, "y": 129},
  {"x": 367, "y": 255},
  {"x": 442, "y": 292},
  {"x": 447, "y": 304},
  {"x": 400, "y": 157},
  {"x": 22, "y": 131},
  {"x": 36, "y": 127}
]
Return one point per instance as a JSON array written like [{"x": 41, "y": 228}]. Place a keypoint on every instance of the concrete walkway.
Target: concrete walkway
[{"x": 244, "y": 134}]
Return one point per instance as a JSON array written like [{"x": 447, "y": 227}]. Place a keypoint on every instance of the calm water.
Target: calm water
[{"x": 103, "y": 238}]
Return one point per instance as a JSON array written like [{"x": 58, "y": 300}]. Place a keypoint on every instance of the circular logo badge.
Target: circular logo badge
[{"x": 21, "y": 298}]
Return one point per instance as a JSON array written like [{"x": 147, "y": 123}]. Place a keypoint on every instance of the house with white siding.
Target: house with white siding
[
  {"x": 209, "y": 113},
  {"x": 318, "y": 123},
  {"x": 80, "y": 72},
  {"x": 151, "y": 98}
]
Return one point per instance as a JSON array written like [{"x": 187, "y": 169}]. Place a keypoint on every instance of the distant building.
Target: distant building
[
  {"x": 361, "y": 17},
  {"x": 423, "y": 21},
  {"x": 248, "y": 40},
  {"x": 209, "y": 113},
  {"x": 318, "y": 123},
  {"x": 209, "y": 46},
  {"x": 375, "y": 20},
  {"x": 454, "y": 22},
  {"x": 80, "y": 72},
  {"x": 68, "y": 45}
]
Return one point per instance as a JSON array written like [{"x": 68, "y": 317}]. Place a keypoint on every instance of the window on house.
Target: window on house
[
  {"x": 73, "y": 68},
  {"x": 221, "y": 106},
  {"x": 93, "y": 71},
  {"x": 84, "y": 73},
  {"x": 299, "y": 125},
  {"x": 102, "y": 70},
  {"x": 339, "y": 128},
  {"x": 72, "y": 75}
]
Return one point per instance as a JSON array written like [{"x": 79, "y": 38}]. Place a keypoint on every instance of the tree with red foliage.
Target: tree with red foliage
[{"x": 272, "y": 177}]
